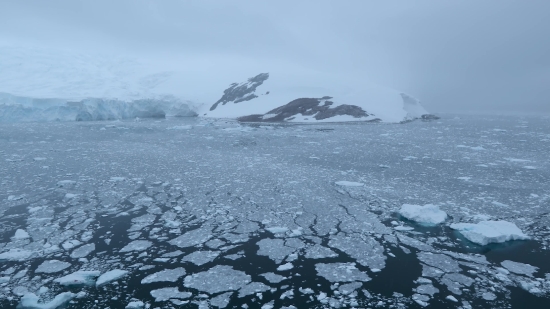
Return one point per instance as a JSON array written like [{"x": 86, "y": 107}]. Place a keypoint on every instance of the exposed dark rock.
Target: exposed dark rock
[
  {"x": 429, "y": 117},
  {"x": 307, "y": 107},
  {"x": 242, "y": 92}
]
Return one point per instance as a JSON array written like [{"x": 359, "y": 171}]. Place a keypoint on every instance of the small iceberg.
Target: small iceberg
[
  {"x": 427, "y": 215},
  {"x": 30, "y": 301},
  {"x": 79, "y": 278},
  {"x": 486, "y": 232},
  {"x": 110, "y": 276}
]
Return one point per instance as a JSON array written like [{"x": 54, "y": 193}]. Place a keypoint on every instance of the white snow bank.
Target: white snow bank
[
  {"x": 79, "y": 278},
  {"x": 486, "y": 232},
  {"x": 428, "y": 214},
  {"x": 110, "y": 276},
  {"x": 30, "y": 301}
]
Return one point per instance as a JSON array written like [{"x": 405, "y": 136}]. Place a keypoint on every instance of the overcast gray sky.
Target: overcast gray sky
[{"x": 468, "y": 55}]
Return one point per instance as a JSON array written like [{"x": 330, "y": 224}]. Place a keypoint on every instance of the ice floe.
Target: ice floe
[
  {"x": 79, "y": 278},
  {"x": 110, "y": 276},
  {"x": 30, "y": 301},
  {"x": 217, "y": 279},
  {"x": 428, "y": 214},
  {"x": 167, "y": 275},
  {"x": 486, "y": 232},
  {"x": 52, "y": 266}
]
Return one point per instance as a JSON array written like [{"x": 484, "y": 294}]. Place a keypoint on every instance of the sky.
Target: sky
[{"x": 455, "y": 56}]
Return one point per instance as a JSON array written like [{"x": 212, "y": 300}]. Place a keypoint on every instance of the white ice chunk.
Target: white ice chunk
[
  {"x": 165, "y": 294},
  {"x": 286, "y": 266},
  {"x": 82, "y": 251},
  {"x": 52, "y": 266},
  {"x": 79, "y": 278},
  {"x": 520, "y": 268},
  {"x": 137, "y": 245},
  {"x": 21, "y": 234},
  {"x": 486, "y": 232},
  {"x": 167, "y": 275},
  {"x": 135, "y": 305},
  {"x": 428, "y": 214},
  {"x": 110, "y": 276},
  {"x": 15, "y": 255},
  {"x": 30, "y": 301}
]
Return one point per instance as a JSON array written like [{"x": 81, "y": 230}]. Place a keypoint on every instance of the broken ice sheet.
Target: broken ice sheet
[
  {"x": 201, "y": 257},
  {"x": 166, "y": 294},
  {"x": 217, "y": 279},
  {"x": 341, "y": 272},
  {"x": 167, "y": 275}
]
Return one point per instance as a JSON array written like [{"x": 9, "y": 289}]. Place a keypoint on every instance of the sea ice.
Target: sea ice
[
  {"x": 428, "y": 214},
  {"x": 165, "y": 294},
  {"x": 273, "y": 278},
  {"x": 222, "y": 300},
  {"x": 201, "y": 257},
  {"x": 16, "y": 255},
  {"x": 341, "y": 272},
  {"x": 167, "y": 275},
  {"x": 137, "y": 245},
  {"x": 79, "y": 278},
  {"x": 192, "y": 238},
  {"x": 319, "y": 252},
  {"x": 287, "y": 266},
  {"x": 21, "y": 234},
  {"x": 52, "y": 266},
  {"x": 135, "y": 305},
  {"x": 217, "y": 279},
  {"x": 110, "y": 276},
  {"x": 252, "y": 288},
  {"x": 486, "y": 232},
  {"x": 520, "y": 268},
  {"x": 344, "y": 183},
  {"x": 83, "y": 251},
  {"x": 30, "y": 301}
]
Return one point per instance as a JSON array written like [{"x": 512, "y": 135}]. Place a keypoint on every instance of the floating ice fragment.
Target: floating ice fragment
[
  {"x": 83, "y": 251},
  {"x": 52, "y": 266},
  {"x": 30, "y": 301},
  {"x": 79, "y": 278},
  {"x": 137, "y": 245},
  {"x": 217, "y": 279},
  {"x": 486, "y": 232},
  {"x": 167, "y": 275},
  {"x": 277, "y": 229},
  {"x": 110, "y": 276},
  {"x": 21, "y": 234},
  {"x": 286, "y": 266},
  {"x": 135, "y": 305},
  {"x": 165, "y": 294},
  {"x": 428, "y": 214},
  {"x": 520, "y": 268},
  {"x": 341, "y": 272}
]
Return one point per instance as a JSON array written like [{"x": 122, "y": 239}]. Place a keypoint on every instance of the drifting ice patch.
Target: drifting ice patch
[
  {"x": 428, "y": 214},
  {"x": 220, "y": 278},
  {"x": 520, "y": 268},
  {"x": 110, "y": 276},
  {"x": 79, "y": 278},
  {"x": 137, "y": 245},
  {"x": 30, "y": 301},
  {"x": 486, "y": 232},
  {"x": 341, "y": 272},
  {"x": 15, "y": 255},
  {"x": 168, "y": 293},
  {"x": 167, "y": 275},
  {"x": 52, "y": 266},
  {"x": 21, "y": 234}
]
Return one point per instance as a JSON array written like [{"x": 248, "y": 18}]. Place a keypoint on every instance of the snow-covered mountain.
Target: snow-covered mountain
[
  {"x": 41, "y": 84},
  {"x": 276, "y": 98}
]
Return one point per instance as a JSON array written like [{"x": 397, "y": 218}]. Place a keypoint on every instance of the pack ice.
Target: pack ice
[
  {"x": 486, "y": 232},
  {"x": 428, "y": 214}
]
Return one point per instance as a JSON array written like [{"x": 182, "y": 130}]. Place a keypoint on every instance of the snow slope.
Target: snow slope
[{"x": 44, "y": 84}]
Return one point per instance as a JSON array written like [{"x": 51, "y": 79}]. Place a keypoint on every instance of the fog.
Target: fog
[{"x": 455, "y": 56}]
